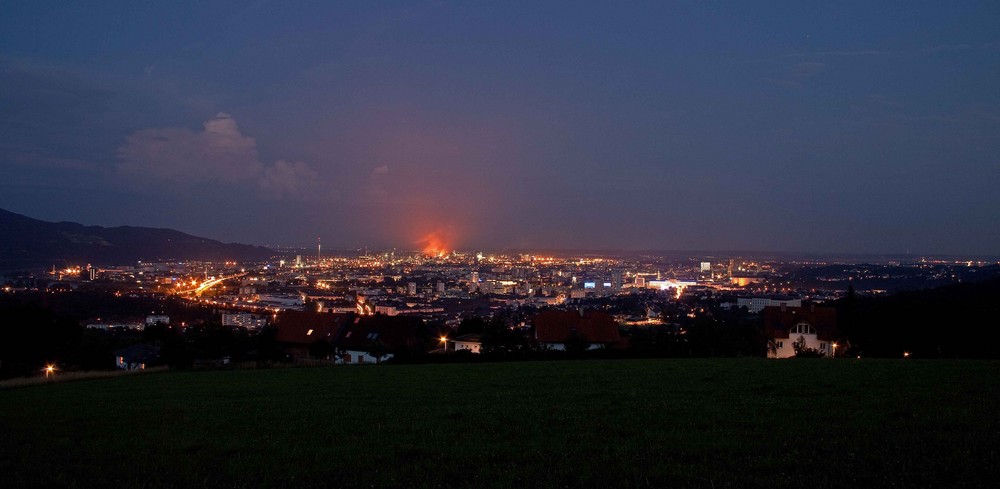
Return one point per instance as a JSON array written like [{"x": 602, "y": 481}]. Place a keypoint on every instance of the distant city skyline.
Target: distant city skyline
[{"x": 774, "y": 127}]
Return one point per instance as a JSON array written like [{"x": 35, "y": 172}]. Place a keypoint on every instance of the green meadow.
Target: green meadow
[{"x": 615, "y": 423}]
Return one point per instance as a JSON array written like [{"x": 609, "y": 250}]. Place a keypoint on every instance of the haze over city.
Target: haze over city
[{"x": 846, "y": 127}]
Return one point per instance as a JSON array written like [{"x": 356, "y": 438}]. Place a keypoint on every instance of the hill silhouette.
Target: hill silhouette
[{"x": 26, "y": 242}]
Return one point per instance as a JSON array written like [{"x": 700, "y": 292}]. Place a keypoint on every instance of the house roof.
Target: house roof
[
  {"x": 778, "y": 321},
  {"x": 394, "y": 333},
  {"x": 306, "y": 328},
  {"x": 470, "y": 338},
  {"x": 594, "y": 326}
]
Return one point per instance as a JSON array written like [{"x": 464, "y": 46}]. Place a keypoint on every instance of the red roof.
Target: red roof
[
  {"x": 394, "y": 333},
  {"x": 778, "y": 321},
  {"x": 306, "y": 328},
  {"x": 593, "y": 326}
]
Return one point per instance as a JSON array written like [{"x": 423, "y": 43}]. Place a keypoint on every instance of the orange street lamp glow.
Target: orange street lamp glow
[{"x": 50, "y": 370}]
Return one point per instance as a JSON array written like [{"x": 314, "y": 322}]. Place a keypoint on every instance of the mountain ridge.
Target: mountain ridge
[{"x": 27, "y": 242}]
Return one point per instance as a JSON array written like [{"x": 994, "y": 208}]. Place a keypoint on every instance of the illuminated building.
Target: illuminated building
[
  {"x": 243, "y": 320},
  {"x": 757, "y": 304},
  {"x": 470, "y": 342},
  {"x": 744, "y": 281},
  {"x": 814, "y": 328},
  {"x": 157, "y": 319}
]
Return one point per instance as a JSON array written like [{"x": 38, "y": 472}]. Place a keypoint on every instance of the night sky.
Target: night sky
[{"x": 782, "y": 126}]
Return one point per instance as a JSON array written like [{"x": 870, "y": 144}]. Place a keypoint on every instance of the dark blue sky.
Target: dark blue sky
[{"x": 784, "y": 126}]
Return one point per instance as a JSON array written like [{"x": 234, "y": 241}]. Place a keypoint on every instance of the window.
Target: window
[
  {"x": 803, "y": 328},
  {"x": 781, "y": 344},
  {"x": 309, "y": 333}
]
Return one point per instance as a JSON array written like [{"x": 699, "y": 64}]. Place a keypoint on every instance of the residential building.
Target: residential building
[
  {"x": 757, "y": 304},
  {"x": 137, "y": 357},
  {"x": 555, "y": 330},
  {"x": 810, "y": 327},
  {"x": 472, "y": 343},
  {"x": 243, "y": 320},
  {"x": 157, "y": 319}
]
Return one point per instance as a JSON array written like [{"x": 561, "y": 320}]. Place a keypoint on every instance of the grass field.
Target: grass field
[{"x": 646, "y": 423}]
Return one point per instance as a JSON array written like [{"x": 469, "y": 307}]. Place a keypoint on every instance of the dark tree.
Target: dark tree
[
  {"x": 471, "y": 325},
  {"x": 321, "y": 350}
]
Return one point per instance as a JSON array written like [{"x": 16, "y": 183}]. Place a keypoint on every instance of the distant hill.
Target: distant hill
[{"x": 27, "y": 242}]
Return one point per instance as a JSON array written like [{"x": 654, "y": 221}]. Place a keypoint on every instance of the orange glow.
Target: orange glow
[{"x": 434, "y": 245}]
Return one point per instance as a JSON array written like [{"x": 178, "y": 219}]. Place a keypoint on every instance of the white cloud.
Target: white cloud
[
  {"x": 284, "y": 179},
  {"x": 217, "y": 154},
  {"x": 376, "y": 184}
]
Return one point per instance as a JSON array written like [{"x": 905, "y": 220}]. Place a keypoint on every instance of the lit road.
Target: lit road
[{"x": 208, "y": 284}]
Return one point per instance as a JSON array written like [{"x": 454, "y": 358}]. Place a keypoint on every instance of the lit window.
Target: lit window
[
  {"x": 309, "y": 332},
  {"x": 803, "y": 328}
]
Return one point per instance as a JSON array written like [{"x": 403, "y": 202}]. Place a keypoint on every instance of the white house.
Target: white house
[
  {"x": 469, "y": 342},
  {"x": 810, "y": 327},
  {"x": 357, "y": 357}
]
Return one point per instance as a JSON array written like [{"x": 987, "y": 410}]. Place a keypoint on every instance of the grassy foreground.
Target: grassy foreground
[{"x": 646, "y": 423}]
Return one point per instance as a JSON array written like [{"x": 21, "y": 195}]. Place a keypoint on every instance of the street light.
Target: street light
[
  {"x": 50, "y": 370},
  {"x": 835, "y": 350},
  {"x": 444, "y": 342}
]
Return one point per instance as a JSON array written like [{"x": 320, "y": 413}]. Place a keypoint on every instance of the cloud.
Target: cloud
[
  {"x": 292, "y": 180},
  {"x": 218, "y": 154},
  {"x": 376, "y": 184}
]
